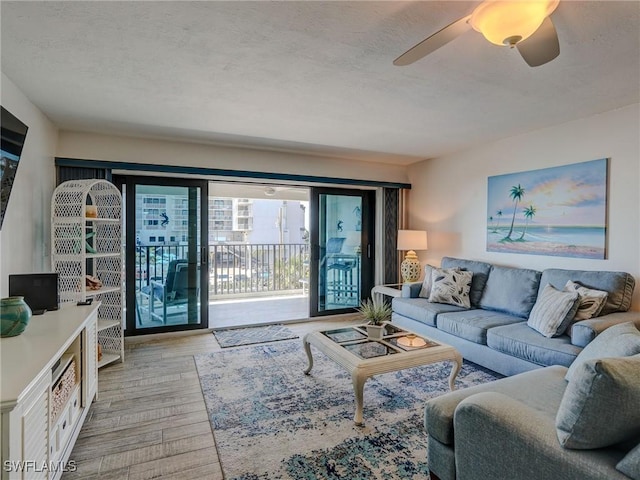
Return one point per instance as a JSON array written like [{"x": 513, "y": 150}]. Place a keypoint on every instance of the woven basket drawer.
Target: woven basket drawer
[{"x": 62, "y": 390}]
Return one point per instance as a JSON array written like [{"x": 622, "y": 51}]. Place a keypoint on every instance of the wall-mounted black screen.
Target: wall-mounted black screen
[{"x": 13, "y": 133}]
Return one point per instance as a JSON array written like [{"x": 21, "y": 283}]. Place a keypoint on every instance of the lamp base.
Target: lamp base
[{"x": 410, "y": 267}]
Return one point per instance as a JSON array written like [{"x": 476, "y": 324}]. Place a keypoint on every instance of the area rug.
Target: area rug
[
  {"x": 247, "y": 336},
  {"x": 270, "y": 421}
]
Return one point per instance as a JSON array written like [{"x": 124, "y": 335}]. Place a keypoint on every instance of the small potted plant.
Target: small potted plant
[{"x": 375, "y": 312}]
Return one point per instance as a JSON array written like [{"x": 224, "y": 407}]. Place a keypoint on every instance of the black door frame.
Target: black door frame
[
  {"x": 367, "y": 259},
  {"x": 126, "y": 184}
]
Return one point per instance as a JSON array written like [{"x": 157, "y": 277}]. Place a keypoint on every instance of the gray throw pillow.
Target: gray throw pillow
[
  {"x": 591, "y": 301},
  {"x": 451, "y": 286},
  {"x": 630, "y": 464},
  {"x": 621, "y": 340},
  {"x": 599, "y": 408},
  {"x": 553, "y": 311}
]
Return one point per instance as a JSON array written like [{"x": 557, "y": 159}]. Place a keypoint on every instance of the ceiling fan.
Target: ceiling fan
[
  {"x": 279, "y": 190},
  {"x": 525, "y": 25}
]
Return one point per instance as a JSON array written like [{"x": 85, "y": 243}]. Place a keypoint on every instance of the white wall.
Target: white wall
[
  {"x": 449, "y": 194},
  {"x": 24, "y": 238},
  {"x": 91, "y": 146}
]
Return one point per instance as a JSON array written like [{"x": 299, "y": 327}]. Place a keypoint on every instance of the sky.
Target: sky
[{"x": 568, "y": 195}]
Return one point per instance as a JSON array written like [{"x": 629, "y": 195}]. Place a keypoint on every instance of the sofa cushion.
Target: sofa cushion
[
  {"x": 420, "y": 309},
  {"x": 600, "y": 405},
  {"x": 591, "y": 301},
  {"x": 521, "y": 341},
  {"x": 480, "y": 272},
  {"x": 618, "y": 285},
  {"x": 511, "y": 290},
  {"x": 541, "y": 389},
  {"x": 621, "y": 340},
  {"x": 451, "y": 286},
  {"x": 473, "y": 324},
  {"x": 553, "y": 311},
  {"x": 630, "y": 464}
]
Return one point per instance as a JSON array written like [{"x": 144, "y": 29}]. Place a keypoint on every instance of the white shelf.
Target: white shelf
[
  {"x": 102, "y": 255},
  {"x": 108, "y": 358},
  {"x": 72, "y": 220},
  {"x": 93, "y": 293},
  {"x": 65, "y": 360},
  {"x": 104, "y": 324},
  {"x": 102, "y": 220},
  {"x": 71, "y": 260},
  {"x": 70, "y": 257}
]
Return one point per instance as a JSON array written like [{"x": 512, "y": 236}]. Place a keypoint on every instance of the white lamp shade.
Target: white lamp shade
[{"x": 412, "y": 240}]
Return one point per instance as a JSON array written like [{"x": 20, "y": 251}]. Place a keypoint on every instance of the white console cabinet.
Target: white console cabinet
[{"x": 49, "y": 377}]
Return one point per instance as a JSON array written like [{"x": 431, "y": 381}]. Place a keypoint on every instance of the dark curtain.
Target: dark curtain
[
  {"x": 81, "y": 173},
  {"x": 390, "y": 206}
]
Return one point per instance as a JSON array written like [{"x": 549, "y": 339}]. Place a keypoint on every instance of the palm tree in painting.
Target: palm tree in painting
[
  {"x": 516, "y": 194},
  {"x": 529, "y": 213},
  {"x": 490, "y": 222},
  {"x": 499, "y": 215}
]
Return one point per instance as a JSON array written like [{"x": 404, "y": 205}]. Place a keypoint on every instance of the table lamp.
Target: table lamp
[{"x": 409, "y": 241}]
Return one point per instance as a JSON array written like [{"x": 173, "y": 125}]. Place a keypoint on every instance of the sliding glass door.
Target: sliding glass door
[
  {"x": 342, "y": 249},
  {"x": 166, "y": 254}
]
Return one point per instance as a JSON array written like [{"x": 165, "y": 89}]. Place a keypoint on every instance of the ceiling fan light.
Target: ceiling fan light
[{"x": 508, "y": 22}]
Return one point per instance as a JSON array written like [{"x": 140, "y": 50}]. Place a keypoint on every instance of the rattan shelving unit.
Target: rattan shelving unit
[{"x": 91, "y": 244}]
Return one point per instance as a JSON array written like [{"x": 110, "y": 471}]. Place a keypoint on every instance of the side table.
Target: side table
[{"x": 390, "y": 290}]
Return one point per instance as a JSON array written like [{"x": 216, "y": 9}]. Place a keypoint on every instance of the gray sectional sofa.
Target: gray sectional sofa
[
  {"x": 494, "y": 331},
  {"x": 509, "y": 429}
]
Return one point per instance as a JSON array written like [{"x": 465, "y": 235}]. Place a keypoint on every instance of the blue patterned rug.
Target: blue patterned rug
[
  {"x": 270, "y": 421},
  {"x": 247, "y": 336}
]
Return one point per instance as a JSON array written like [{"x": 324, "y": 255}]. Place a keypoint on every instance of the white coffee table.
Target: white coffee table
[{"x": 350, "y": 348}]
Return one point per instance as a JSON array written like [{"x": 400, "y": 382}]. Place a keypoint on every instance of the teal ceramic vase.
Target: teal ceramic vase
[{"x": 15, "y": 315}]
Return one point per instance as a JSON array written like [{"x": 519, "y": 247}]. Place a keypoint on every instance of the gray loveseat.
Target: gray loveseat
[{"x": 494, "y": 331}]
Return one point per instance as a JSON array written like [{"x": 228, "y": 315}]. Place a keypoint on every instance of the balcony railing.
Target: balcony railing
[{"x": 234, "y": 269}]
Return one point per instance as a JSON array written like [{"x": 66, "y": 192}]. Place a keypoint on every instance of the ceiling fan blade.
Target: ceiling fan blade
[
  {"x": 542, "y": 46},
  {"x": 434, "y": 42}
]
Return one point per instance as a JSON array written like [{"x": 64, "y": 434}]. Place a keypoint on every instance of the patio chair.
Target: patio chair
[
  {"x": 174, "y": 292},
  {"x": 340, "y": 285}
]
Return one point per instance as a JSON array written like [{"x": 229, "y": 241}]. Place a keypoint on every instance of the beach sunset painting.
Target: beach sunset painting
[{"x": 558, "y": 211}]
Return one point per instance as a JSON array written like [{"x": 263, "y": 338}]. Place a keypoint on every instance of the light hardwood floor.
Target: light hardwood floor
[{"x": 150, "y": 420}]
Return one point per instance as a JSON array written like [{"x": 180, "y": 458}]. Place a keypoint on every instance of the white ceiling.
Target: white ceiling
[{"x": 311, "y": 76}]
